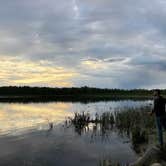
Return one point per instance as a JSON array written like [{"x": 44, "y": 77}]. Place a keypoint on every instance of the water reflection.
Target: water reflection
[
  {"x": 16, "y": 118},
  {"x": 133, "y": 123},
  {"x": 82, "y": 144}
]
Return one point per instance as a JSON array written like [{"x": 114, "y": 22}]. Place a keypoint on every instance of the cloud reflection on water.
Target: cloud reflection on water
[{"x": 19, "y": 117}]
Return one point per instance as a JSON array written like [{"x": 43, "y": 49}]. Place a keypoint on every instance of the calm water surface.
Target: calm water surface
[{"x": 25, "y": 138}]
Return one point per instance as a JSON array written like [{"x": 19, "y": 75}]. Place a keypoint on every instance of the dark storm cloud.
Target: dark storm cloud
[{"x": 109, "y": 43}]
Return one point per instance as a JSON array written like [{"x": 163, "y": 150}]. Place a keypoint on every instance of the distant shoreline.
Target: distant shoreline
[
  {"x": 73, "y": 94},
  {"x": 69, "y": 98},
  {"x": 27, "y": 90}
]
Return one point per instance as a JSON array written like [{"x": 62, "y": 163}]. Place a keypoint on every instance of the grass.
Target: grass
[{"x": 136, "y": 123}]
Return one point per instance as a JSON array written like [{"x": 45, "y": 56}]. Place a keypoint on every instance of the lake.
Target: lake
[{"x": 27, "y": 140}]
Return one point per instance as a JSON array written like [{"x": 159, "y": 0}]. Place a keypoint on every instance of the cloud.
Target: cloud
[
  {"x": 15, "y": 71},
  {"x": 108, "y": 43}
]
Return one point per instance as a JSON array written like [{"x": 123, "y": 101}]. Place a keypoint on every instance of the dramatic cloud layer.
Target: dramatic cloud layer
[{"x": 99, "y": 43}]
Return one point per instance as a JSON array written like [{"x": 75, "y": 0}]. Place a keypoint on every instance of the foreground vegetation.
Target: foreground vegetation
[{"x": 135, "y": 123}]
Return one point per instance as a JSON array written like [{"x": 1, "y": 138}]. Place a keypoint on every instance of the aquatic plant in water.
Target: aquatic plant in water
[{"x": 132, "y": 122}]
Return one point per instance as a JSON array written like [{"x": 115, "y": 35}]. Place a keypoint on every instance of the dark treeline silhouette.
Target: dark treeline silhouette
[
  {"x": 27, "y": 94},
  {"x": 26, "y": 90}
]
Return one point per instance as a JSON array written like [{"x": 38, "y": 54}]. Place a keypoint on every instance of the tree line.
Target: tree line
[{"x": 75, "y": 91}]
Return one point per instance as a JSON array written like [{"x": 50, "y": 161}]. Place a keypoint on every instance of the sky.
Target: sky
[{"x": 74, "y": 43}]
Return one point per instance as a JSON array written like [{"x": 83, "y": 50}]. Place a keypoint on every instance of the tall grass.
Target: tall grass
[{"x": 136, "y": 123}]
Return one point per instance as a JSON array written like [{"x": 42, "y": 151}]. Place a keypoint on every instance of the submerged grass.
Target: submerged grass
[{"x": 136, "y": 123}]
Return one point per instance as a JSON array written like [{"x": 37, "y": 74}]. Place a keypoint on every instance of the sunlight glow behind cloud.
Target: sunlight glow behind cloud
[{"x": 20, "y": 72}]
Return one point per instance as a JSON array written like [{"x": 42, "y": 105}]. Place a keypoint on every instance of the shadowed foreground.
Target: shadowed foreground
[{"x": 152, "y": 155}]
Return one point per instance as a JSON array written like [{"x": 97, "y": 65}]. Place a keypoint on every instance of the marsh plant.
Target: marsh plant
[{"x": 135, "y": 123}]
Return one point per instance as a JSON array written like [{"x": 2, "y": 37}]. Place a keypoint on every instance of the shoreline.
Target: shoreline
[{"x": 70, "y": 98}]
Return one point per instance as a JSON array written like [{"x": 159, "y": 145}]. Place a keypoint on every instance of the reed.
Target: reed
[{"x": 133, "y": 122}]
